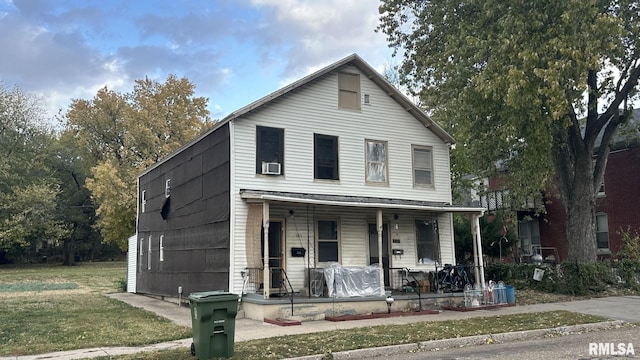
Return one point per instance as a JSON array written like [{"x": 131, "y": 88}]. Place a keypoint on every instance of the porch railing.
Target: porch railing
[{"x": 280, "y": 284}]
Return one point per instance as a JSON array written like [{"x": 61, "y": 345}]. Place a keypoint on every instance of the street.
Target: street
[{"x": 557, "y": 347}]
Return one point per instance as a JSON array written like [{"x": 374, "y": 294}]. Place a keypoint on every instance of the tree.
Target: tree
[
  {"x": 29, "y": 216},
  {"x": 125, "y": 133},
  {"x": 541, "y": 86}
]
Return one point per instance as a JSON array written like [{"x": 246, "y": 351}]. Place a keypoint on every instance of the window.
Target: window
[
  {"x": 161, "y": 247},
  {"x": 325, "y": 157},
  {"x": 601, "y": 189},
  {"x": 422, "y": 166},
  {"x": 269, "y": 150},
  {"x": 427, "y": 241},
  {"x": 349, "y": 91},
  {"x": 376, "y": 152},
  {"x": 328, "y": 241},
  {"x": 143, "y": 201},
  {"x": 149, "y": 255},
  {"x": 528, "y": 235},
  {"x": 167, "y": 188},
  {"x": 602, "y": 232}
]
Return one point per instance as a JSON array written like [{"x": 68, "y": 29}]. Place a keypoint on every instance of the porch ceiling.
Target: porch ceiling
[{"x": 355, "y": 201}]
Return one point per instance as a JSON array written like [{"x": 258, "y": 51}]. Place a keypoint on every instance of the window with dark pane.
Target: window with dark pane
[
  {"x": 269, "y": 147},
  {"x": 325, "y": 157},
  {"x": 328, "y": 244}
]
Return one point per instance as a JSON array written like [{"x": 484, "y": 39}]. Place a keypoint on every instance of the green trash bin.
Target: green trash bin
[{"x": 213, "y": 319}]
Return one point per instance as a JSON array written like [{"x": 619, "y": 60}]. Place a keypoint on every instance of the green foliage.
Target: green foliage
[
  {"x": 29, "y": 217},
  {"x": 630, "y": 248},
  {"x": 567, "y": 278},
  {"x": 125, "y": 133},
  {"x": 629, "y": 272},
  {"x": 508, "y": 80},
  {"x": 121, "y": 284},
  {"x": 492, "y": 231}
]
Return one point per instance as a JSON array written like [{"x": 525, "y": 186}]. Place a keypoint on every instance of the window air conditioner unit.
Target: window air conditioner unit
[{"x": 271, "y": 168}]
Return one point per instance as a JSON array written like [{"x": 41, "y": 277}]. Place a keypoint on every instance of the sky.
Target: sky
[{"x": 233, "y": 51}]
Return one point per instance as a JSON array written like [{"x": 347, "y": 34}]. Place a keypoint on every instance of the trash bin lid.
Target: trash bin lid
[{"x": 212, "y": 296}]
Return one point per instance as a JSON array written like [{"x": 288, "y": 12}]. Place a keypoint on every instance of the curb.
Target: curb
[{"x": 435, "y": 345}]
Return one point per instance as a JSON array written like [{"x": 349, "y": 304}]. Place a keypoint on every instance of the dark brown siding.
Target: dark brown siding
[{"x": 196, "y": 223}]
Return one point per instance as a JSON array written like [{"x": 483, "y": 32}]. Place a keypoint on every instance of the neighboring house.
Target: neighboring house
[
  {"x": 616, "y": 204},
  {"x": 338, "y": 167}
]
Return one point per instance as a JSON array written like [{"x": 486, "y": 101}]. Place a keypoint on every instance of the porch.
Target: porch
[
  {"x": 398, "y": 246},
  {"x": 309, "y": 308},
  {"x": 353, "y": 293}
]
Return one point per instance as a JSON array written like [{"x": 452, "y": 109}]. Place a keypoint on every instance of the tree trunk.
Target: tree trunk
[
  {"x": 69, "y": 259},
  {"x": 581, "y": 222}
]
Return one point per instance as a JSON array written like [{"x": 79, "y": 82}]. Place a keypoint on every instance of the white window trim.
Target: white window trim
[
  {"x": 149, "y": 255},
  {"x": 143, "y": 202},
  {"x": 161, "y": 247},
  {"x": 386, "y": 162},
  {"x": 413, "y": 165},
  {"x": 318, "y": 240},
  {"x": 606, "y": 250},
  {"x": 167, "y": 188}
]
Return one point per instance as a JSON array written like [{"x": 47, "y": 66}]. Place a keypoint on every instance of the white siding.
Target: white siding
[
  {"x": 132, "y": 263},
  {"x": 311, "y": 109},
  {"x": 314, "y": 109}
]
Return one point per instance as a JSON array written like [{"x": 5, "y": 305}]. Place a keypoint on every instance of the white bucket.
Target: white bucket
[{"x": 538, "y": 274}]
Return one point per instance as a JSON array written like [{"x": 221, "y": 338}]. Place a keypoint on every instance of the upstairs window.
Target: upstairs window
[
  {"x": 376, "y": 157},
  {"x": 269, "y": 150},
  {"x": 349, "y": 91},
  {"x": 167, "y": 188},
  {"x": 325, "y": 157},
  {"x": 422, "y": 166}
]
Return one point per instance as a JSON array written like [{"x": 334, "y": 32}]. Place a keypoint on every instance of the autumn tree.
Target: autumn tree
[
  {"x": 124, "y": 133},
  {"x": 539, "y": 86}
]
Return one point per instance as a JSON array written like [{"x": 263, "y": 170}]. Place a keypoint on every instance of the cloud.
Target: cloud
[
  {"x": 318, "y": 33},
  {"x": 234, "y": 51}
]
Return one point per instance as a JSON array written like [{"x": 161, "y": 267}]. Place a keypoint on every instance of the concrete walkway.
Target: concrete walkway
[{"x": 624, "y": 308}]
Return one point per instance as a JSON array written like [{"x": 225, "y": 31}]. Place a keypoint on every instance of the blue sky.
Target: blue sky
[{"x": 234, "y": 51}]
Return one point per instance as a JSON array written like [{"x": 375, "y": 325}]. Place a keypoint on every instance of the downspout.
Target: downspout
[
  {"x": 266, "y": 275},
  {"x": 379, "y": 228}
]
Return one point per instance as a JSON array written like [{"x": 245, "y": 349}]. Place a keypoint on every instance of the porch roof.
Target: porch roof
[{"x": 355, "y": 201}]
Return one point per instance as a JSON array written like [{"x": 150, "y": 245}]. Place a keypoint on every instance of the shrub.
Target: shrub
[
  {"x": 121, "y": 284},
  {"x": 630, "y": 248},
  {"x": 584, "y": 279},
  {"x": 629, "y": 272}
]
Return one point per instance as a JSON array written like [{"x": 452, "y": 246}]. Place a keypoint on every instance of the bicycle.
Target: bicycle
[{"x": 452, "y": 278}]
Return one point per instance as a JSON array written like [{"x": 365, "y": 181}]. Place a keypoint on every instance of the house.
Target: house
[
  {"x": 337, "y": 170},
  {"x": 616, "y": 201}
]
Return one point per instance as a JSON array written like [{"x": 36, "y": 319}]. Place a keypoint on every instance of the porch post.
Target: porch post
[
  {"x": 266, "y": 275},
  {"x": 379, "y": 228},
  {"x": 478, "y": 238},
  {"x": 476, "y": 275}
]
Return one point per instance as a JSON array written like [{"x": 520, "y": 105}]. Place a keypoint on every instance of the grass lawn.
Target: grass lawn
[
  {"x": 340, "y": 340},
  {"x": 48, "y": 308}
]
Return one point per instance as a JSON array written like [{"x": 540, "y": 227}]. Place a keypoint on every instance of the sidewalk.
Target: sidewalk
[{"x": 624, "y": 308}]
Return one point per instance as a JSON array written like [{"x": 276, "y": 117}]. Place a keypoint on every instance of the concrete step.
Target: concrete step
[{"x": 301, "y": 313}]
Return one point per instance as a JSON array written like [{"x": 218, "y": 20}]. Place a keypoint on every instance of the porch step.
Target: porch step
[{"x": 301, "y": 312}]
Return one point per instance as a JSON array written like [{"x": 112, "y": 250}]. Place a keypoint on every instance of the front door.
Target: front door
[
  {"x": 373, "y": 249},
  {"x": 275, "y": 253}
]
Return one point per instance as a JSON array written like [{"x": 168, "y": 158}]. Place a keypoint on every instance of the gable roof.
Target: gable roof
[{"x": 352, "y": 59}]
